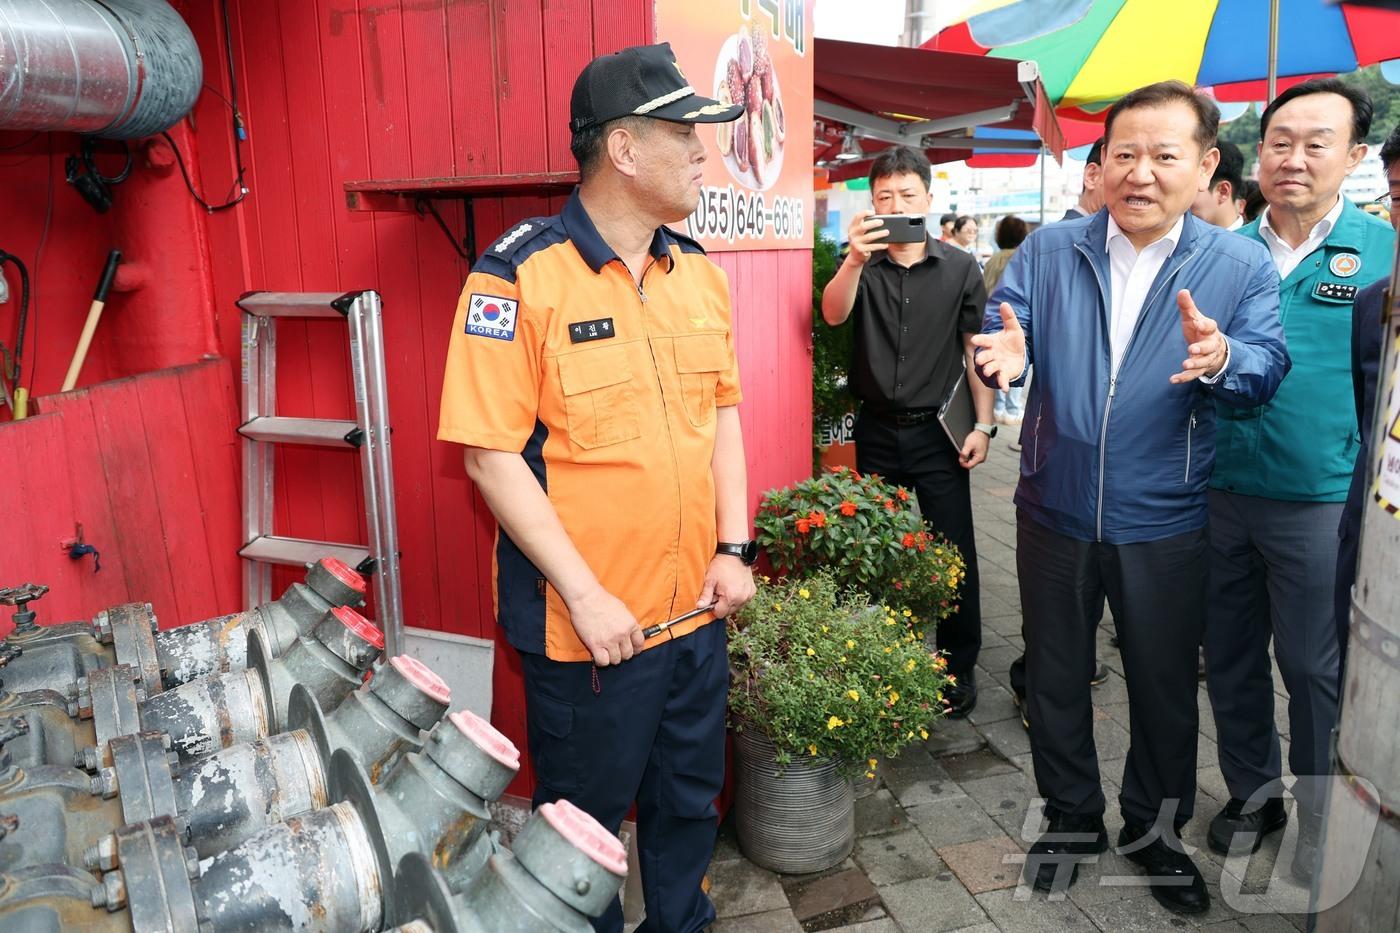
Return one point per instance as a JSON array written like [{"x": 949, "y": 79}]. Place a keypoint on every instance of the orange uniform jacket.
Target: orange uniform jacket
[{"x": 608, "y": 390}]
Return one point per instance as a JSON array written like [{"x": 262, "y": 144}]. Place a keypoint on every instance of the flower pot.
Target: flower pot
[
  {"x": 862, "y": 786},
  {"x": 801, "y": 820}
]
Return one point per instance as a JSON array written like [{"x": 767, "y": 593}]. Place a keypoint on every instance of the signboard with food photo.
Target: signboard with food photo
[{"x": 757, "y": 192}]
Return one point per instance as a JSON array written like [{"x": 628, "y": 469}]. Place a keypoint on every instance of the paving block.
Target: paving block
[
  {"x": 772, "y": 921},
  {"x": 914, "y": 778},
  {"x": 1008, "y": 738},
  {"x": 1139, "y": 914},
  {"x": 879, "y": 813},
  {"x": 726, "y": 842},
  {"x": 932, "y": 905},
  {"x": 1032, "y": 912},
  {"x": 983, "y": 866},
  {"x": 896, "y": 858},
  {"x": 974, "y": 765},
  {"x": 953, "y": 821},
  {"x": 839, "y": 891},
  {"x": 1003, "y": 797},
  {"x": 740, "y": 887},
  {"x": 882, "y": 925},
  {"x": 994, "y": 704},
  {"x": 953, "y": 737}
]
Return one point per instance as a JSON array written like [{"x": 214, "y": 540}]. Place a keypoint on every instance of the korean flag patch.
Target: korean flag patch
[{"x": 491, "y": 316}]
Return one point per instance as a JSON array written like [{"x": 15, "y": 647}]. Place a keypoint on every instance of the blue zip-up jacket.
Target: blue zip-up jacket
[{"x": 1125, "y": 458}]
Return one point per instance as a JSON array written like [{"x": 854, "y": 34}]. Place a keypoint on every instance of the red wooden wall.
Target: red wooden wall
[{"x": 334, "y": 91}]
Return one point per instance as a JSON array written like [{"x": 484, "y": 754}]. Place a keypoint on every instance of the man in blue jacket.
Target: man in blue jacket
[
  {"x": 1117, "y": 446},
  {"x": 1282, "y": 472}
]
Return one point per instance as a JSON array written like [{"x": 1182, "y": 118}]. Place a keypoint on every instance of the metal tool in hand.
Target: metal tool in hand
[{"x": 660, "y": 627}]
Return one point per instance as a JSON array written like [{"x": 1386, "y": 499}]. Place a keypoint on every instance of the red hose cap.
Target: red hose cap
[
  {"x": 344, "y": 573},
  {"x": 361, "y": 626},
  {"x": 587, "y": 835},
  {"x": 421, "y": 676},
  {"x": 485, "y": 737}
]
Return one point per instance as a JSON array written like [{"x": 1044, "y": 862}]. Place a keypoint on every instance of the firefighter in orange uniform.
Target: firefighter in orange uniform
[{"x": 591, "y": 376}]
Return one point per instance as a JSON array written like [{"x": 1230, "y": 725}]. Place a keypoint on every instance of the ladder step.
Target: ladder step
[
  {"x": 320, "y": 432},
  {"x": 298, "y": 552},
  {"x": 297, "y": 304}
]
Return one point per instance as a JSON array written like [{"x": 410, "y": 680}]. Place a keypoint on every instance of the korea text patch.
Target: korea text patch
[{"x": 492, "y": 316}]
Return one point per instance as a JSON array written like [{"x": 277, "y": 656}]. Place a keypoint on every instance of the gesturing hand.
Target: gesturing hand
[
  {"x": 606, "y": 627},
  {"x": 1002, "y": 354},
  {"x": 1204, "y": 343}
]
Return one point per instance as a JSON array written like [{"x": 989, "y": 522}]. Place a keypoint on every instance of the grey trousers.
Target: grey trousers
[{"x": 1272, "y": 575}]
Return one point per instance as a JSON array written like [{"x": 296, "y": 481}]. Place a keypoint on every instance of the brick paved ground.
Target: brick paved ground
[{"x": 932, "y": 841}]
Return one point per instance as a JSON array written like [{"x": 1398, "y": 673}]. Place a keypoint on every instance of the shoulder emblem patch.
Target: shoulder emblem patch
[
  {"x": 509, "y": 239},
  {"x": 1345, "y": 265},
  {"x": 491, "y": 316}
]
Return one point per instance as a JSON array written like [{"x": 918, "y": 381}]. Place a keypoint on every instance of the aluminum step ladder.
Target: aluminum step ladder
[{"x": 262, "y": 428}]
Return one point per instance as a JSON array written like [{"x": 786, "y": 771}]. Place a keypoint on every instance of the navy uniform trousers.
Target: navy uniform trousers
[{"x": 653, "y": 733}]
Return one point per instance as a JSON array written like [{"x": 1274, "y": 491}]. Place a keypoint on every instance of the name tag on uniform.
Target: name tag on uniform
[
  {"x": 1335, "y": 291},
  {"x": 584, "y": 331}
]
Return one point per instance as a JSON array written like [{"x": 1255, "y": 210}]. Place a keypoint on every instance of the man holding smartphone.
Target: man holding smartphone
[{"x": 915, "y": 308}]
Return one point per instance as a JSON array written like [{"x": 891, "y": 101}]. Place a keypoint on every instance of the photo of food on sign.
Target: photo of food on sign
[{"x": 752, "y": 146}]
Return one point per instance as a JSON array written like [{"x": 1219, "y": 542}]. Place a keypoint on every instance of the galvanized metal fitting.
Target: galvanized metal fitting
[
  {"x": 573, "y": 856},
  {"x": 104, "y": 783},
  {"x": 102, "y": 854},
  {"x": 350, "y": 637},
  {"x": 336, "y": 582},
  {"x": 412, "y": 690},
  {"x": 477, "y": 756},
  {"x": 111, "y": 893}
]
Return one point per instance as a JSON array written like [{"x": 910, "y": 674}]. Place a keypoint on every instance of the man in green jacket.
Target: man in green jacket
[{"x": 1282, "y": 472}]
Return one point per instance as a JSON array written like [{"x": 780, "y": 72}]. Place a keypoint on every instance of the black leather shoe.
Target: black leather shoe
[
  {"x": 961, "y": 697},
  {"x": 1174, "y": 880},
  {"x": 1241, "y": 827},
  {"x": 1305, "y": 857},
  {"x": 1052, "y": 862},
  {"x": 1100, "y": 674}
]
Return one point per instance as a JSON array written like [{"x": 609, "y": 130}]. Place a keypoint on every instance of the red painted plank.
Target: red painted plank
[
  {"x": 568, "y": 46},
  {"x": 131, "y": 490},
  {"x": 618, "y": 25},
  {"x": 520, "y": 84},
  {"x": 471, "y": 64},
  {"x": 212, "y": 414}
]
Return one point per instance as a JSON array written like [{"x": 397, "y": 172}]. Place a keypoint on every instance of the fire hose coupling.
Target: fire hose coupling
[
  {"x": 330, "y": 663},
  {"x": 546, "y": 848},
  {"x": 412, "y": 690},
  {"x": 477, "y": 756}
]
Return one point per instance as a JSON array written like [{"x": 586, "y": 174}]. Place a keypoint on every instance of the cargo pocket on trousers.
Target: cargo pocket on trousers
[
  {"x": 551, "y": 724},
  {"x": 600, "y": 400},
  {"x": 700, "y": 358}
]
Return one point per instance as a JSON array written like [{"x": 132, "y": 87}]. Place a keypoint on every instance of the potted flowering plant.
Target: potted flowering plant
[
  {"x": 855, "y": 527},
  {"x": 821, "y": 685}
]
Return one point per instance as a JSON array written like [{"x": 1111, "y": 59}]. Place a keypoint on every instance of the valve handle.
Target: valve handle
[
  {"x": 19, "y": 595},
  {"x": 12, "y": 727}
]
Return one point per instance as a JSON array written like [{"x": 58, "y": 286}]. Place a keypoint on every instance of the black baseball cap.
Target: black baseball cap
[{"x": 642, "y": 81}]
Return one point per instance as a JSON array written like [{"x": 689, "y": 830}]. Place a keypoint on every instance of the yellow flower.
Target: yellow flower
[
  {"x": 890, "y": 621},
  {"x": 853, "y": 694},
  {"x": 805, "y": 593},
  {"x": 910, "y": 665},
  {"x": 841, "y": 660},
  {"x": 850, "y": 644},
  {"x": 826, "y": 628},
  {"x": 938, "y": 550},
  {"x": 777, "y": 607},
  {"x": 813, "y": 750},
  {"x": 811, "y": 652},
  {"x": 870, "y": 775},
  {"x": 888, "y": 649},
  {"x": 923, "y": 733},
  {"x": 873, "y": 763},
  {"x": 834, "y": 722},
  {"x": 894, "y": 697},
  {"x": 907, "y": 613}
]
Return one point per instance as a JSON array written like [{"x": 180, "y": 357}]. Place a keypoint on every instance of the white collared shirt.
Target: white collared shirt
[
  {"x": 1238, "y": 222},
  {"x": 1286, "y": 258},
  {"x": 1131, "y": 274}
]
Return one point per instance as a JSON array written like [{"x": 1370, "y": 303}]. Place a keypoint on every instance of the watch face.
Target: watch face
[{"x": 749, "y": 554}]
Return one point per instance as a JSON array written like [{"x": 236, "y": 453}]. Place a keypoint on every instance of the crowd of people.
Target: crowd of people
[
  {"x": 1186, "y": 450},
  {"x": 1195, "y": 426}
]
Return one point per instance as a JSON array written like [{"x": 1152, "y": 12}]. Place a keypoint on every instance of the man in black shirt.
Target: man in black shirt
[{"x": 915, "y": 308}]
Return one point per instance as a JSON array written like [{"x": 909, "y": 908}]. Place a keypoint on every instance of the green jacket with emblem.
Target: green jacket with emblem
[{"x": 1302, "y": 445}]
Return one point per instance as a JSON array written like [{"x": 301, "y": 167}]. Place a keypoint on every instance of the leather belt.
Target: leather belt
[{"x": 905, "y": 418}]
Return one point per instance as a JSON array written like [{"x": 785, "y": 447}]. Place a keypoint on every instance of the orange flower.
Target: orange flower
[
  {"x": 848, "y": 508},
  {"x": 909, "y": 540},
  {"x": 903, "y": 494},
  {"x": 818, "y": 519},
  {"x": 889, "y": 505},
  {"x": 803, "y": 526}
]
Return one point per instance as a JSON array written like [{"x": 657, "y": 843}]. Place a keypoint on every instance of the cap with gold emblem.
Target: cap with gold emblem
[{"x": 642, "y": 81}]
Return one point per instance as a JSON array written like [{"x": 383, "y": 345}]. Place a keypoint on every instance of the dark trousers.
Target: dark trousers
[
  {"x": 1156, "y": 591},
  {"x": 920, "y": 457},
  {"x": 1273, "y": 571},
  {"x": 653, "y": 733}
]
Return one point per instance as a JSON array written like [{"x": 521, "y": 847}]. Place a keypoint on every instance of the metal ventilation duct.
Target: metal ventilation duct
[{"x": 119, "y": 68}]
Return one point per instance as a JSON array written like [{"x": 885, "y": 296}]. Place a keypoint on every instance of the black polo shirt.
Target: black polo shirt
[{"x": 909, "y": 325}]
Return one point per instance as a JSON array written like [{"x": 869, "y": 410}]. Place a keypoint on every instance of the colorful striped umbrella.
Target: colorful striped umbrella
[{"x": 1091, "y": 52}]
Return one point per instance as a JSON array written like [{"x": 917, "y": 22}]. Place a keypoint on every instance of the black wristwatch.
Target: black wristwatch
[{"x": 746, "y": 551}]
